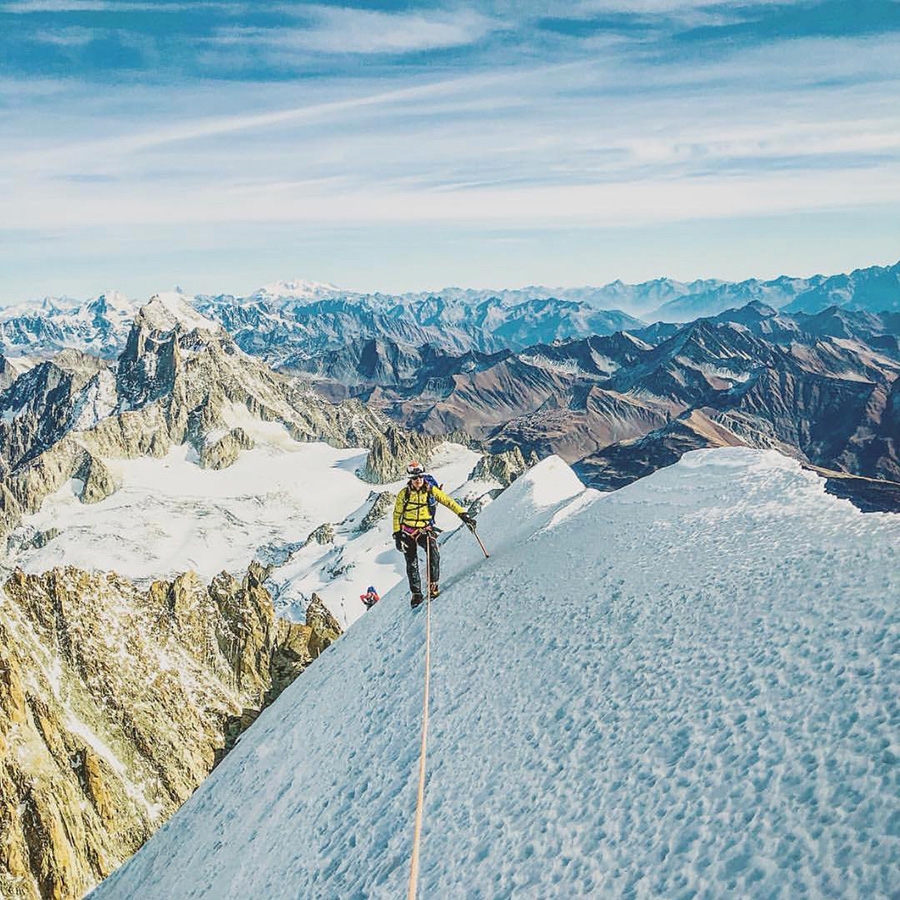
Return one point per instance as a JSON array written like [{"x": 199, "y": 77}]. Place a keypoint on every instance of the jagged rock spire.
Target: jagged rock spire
[{"x": 115, "y": 702}]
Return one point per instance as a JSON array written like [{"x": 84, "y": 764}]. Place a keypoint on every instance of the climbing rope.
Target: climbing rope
[{"x": 420, "y": 799}]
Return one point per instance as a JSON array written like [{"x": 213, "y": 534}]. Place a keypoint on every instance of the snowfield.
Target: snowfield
[
  {"x": 686, "y": 688},
  {"x": 169, "y": 515}
]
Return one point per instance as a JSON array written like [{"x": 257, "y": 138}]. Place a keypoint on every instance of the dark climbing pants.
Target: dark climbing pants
[{"x": 410, "y": 551}]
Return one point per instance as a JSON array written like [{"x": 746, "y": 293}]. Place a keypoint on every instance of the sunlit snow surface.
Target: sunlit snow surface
[
  {"x": 687, "y": 688},
  {"x": 169, "y": 515}
]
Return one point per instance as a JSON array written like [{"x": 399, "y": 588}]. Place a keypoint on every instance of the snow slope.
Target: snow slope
[
  {"x": 169, "y": 515},
  {"x": 687, "y": 688}
]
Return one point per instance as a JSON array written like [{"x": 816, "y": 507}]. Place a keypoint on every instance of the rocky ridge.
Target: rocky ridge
[
  {"x": 285, "y": 331},
  {"x": 116, "y": 702},
  {"x": 180, "y": 379},
  {"x": 822, "y": 388}
]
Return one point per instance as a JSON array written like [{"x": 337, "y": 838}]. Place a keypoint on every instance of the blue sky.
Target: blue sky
[{"x": 394, "y": 146}]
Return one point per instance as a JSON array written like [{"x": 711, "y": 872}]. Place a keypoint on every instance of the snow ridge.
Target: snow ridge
[{"x": 684, "y": 688}]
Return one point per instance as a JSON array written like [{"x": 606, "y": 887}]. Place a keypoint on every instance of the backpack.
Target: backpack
[{"x": 431, "y": 481}]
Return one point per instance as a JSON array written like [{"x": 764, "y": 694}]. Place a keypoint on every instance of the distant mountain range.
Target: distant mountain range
[
  {"x": 287, "y": 322},
  {"x": 284, "y": 328},
  {"x": 875, "y": 289},
  {"x": 99, "y": 326},
  {"x": 286, "y": 331},
  {"x": 822, "y": 388},
  {"x": 872, "y": 289},
  {"x": 813, "y": 373}
]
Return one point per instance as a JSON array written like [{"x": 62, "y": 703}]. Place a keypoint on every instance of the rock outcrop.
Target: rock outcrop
[
  {"x": 115, "y": 703},
  {"x": 8, "y": 373},
  {"x": 392, "y": 451},
  {"x": 98, "y": 482},
  {"x": 324, "y": 628},
  {"x": 504, "y": 467},
  {"x": 324, "y": 534},
  {"x": 220, "y": 452},
  {"x": 382, "y": 505}
]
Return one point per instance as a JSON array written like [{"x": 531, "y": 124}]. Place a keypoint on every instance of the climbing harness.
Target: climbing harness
[{"x": 430, "y": 502}]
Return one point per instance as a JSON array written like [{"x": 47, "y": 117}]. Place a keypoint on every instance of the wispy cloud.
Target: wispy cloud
[
  {"x": 66, "y": 37},
  {"x": 347, "y": 30},
  {"x": 26, "y": 7},
  {"x": 473, "y": 136},
  {"x": 205, "y": 128},
  {"x": 292, "y": 113}
]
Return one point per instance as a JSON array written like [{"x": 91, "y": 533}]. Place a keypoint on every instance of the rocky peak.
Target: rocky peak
[
  {"x": 165, "y": 330},
  {"x": 110, "y": 308},
  {"x": 147, "y": 367},
  {"x": 35, "y": 410},
  {"x": 392, "y": 451},
  {"x": 701, "y": 357},
  {"x": 8, "y": 373},
  {"x": 836, "y": 321},
  {"x": 171, "y": 312},
  {"x": 504, "y": 467},
  {"x": 763, "y": 310},
  {"x": 752, "y": 314}
]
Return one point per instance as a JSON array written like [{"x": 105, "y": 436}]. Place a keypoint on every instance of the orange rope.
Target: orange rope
[{"x": 420, "y": 799}]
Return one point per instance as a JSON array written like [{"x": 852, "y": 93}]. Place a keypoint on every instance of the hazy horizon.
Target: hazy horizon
[{"x": 177, "y": 288}]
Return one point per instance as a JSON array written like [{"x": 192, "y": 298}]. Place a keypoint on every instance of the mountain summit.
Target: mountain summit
[{"x": 683, "y": 688}]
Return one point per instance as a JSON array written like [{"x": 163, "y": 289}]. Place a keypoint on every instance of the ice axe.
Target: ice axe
[{"x": 480, "y": 544}]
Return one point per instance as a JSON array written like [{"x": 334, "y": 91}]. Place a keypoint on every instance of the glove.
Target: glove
[
  {"x": 398, "y": 540},
  {"x": 468, "y": 520}
]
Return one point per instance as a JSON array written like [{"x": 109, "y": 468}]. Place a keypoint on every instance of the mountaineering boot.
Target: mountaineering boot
[
  {"x": 434, "y": 590},
  {"x": 415, "y": 600}
]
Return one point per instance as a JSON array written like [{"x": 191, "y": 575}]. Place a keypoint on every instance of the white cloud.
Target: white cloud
[
  {"x": 336, "y": 200},
  {"x": 338, "y": 30},
  {"x": 204, "y": 128},
  {"x": 555, "y": 142},
  {"x": 586, "y": 8},
  {"x": 362, "y": 31},
  {"x": 65, "y": 37}
]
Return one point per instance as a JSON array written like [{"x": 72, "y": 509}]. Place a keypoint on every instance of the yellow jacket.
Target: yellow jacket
[{"x": 411, "y": 508}]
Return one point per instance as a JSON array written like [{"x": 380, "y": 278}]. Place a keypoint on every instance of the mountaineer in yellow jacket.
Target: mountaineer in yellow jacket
[{"x": 414, "y": 527}]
